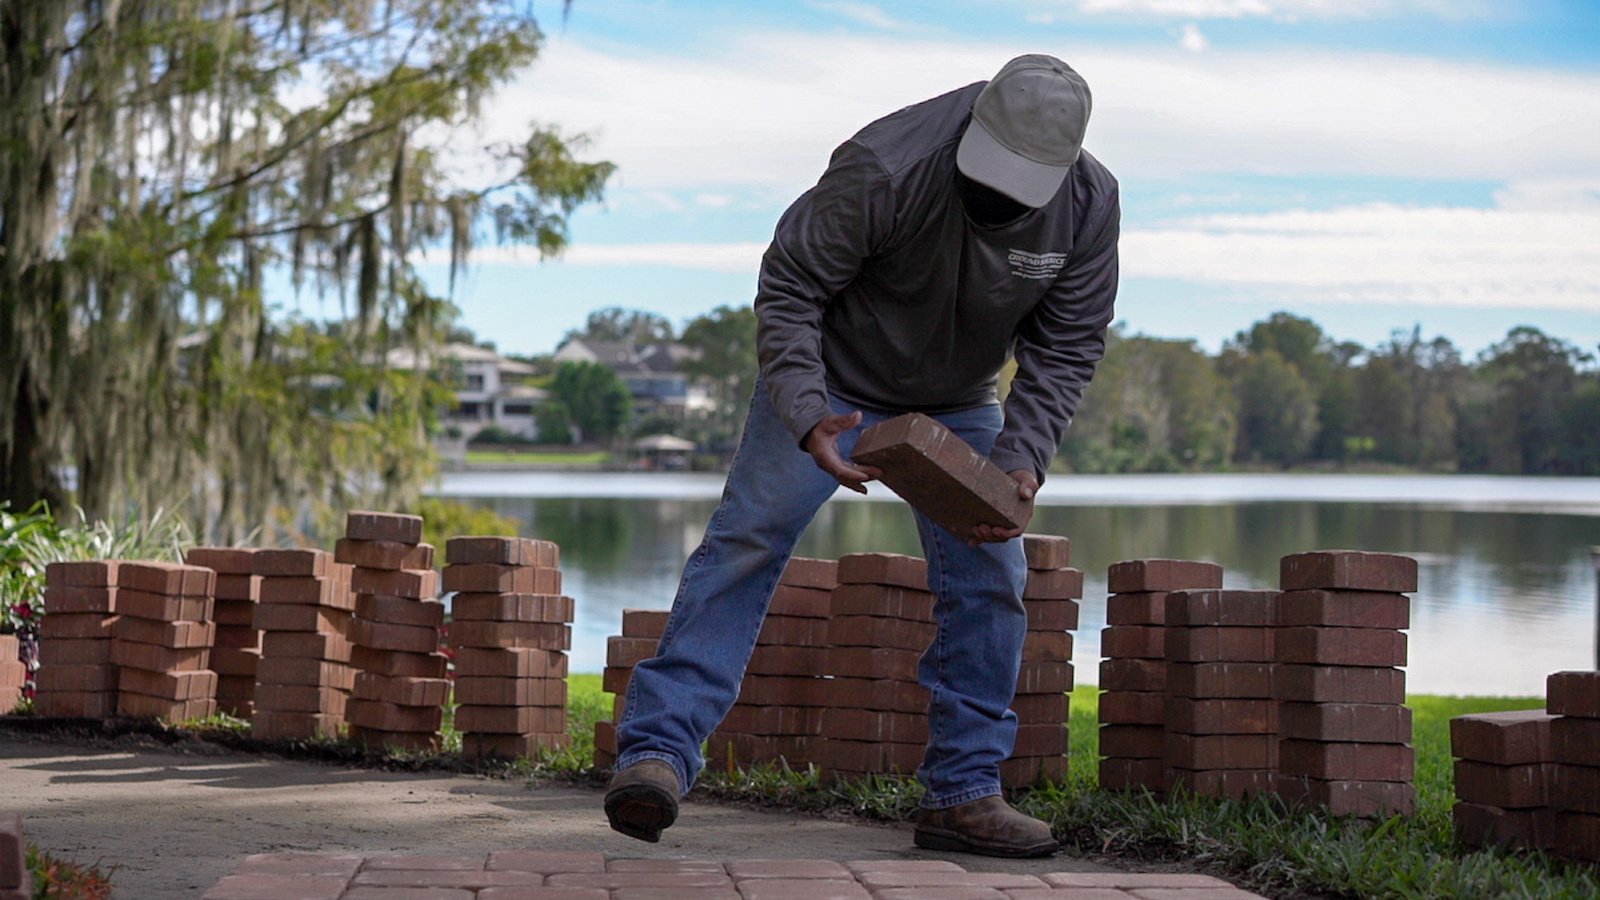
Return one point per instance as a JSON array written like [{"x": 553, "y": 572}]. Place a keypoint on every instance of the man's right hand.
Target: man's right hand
[{"x": 822, "y": 442}]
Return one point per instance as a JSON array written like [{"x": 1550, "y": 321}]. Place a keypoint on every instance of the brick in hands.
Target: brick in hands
[{"x": 940, "y": 475}]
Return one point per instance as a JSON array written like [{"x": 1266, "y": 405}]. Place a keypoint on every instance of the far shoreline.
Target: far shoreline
[{"x": 1541, "y": 494}]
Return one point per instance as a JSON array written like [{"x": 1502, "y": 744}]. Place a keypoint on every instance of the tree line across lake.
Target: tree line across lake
[
  {"x": 1285, "y": 393},
  {"x": 1282, "y": 393}
]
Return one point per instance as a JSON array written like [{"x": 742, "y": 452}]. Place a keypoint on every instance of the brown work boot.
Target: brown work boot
[
  {"x": 988, "y": 826},
  {"x": 642, "y": 800}
]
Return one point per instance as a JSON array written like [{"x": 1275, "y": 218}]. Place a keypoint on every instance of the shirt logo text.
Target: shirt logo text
[{"x": 1035, "y": 265}]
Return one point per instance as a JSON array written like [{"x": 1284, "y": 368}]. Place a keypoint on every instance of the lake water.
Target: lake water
[{"x": 1506, "y": 596}]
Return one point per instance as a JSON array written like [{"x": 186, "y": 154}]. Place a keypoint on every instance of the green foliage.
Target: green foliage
[
  {"x": 57, "y": 877},
  {"x": 1284, "y": 393},
  {"x": 445, "y": 519},
  {"x": 494, "y": 434},
  {"x": 724, "y": 357},
  {"x": 164, "y": 161},
  {"x": 33, "y": 540},
  {"x": 595, "y": 398},
  {"x": 554, "y": 422},
  {"x": 616, "y": 325},
  {"x": 1533, "y": 399},
  {"x": 1154, "y": 406},
  {"x": 21, "y": 572}
]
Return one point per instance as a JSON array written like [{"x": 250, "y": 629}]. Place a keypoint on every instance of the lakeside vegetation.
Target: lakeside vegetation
[{"x": 554, "y": 459}]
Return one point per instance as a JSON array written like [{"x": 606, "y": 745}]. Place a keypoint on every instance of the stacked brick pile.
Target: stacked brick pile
[
  {"x": 237, "y": 649},
  {"x": 76, "y": 677},
  {"x": 1133, "y": 675},
  {"x": 1221, "y": 720},
  {"x": 1502, "y": 777},
  {"x": 641, "y": 632},
  {"x": 882, "y": 620},
  {"x": 778, "y": 714},
  {"x": 1574, "y": 699},
  {"x": 1344, "y": 731},
  {"x": 16, "y": 878},
  {"x": 304, "y": 678},
  {"x": 162, "y": 641},
  {"x": 511, "y": 628},
  {"x": 1041, "y": 702},
  {"x": 399, "y": 690},
  {"x": 13, "y": 672}
]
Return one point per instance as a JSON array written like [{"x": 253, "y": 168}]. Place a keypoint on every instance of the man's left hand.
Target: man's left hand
[{"x": 1027, "y": 486}]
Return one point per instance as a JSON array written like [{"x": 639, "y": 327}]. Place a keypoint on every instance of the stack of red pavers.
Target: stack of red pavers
[
  {"x": 400, "y": 687},
  {"x": 1344, "y": 732},
  {"x": 1503, "y": 771},
  {"x": 237, "y": 649},
  {"x": 1221, "y": 719},
  {"x": 1574, "y": 699},
  {"x": 881, "y": 622},
  {"x": 778, "y": 714},
  {"x": 76, "y": 677},
  {"x": 1133, "y": 675},
  {"x": 304, "y": 677},
  {"x": 641, "y": 632},
  {"x": 163, "y": 637},
  {"x": 13, "y": 672},
  {"x": 1041, "y": 703},
  {"x": 511, "y": 628}
]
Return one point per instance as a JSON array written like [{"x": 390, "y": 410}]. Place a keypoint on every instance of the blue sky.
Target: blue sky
[{"x": 1371, "y": 164}]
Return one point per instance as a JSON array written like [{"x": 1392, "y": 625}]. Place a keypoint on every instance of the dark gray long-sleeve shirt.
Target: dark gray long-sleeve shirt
[{"x": 879, "y": 290}]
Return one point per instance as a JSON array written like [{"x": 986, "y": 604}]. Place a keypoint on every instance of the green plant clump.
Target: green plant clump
[{"x": 64, "y": 879}]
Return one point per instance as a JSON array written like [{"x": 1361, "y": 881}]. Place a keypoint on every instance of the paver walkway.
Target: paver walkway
[{"x": 555, "y": 875}]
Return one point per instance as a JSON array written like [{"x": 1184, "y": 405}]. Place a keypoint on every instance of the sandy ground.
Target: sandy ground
[{"x": 173, "y": 823}]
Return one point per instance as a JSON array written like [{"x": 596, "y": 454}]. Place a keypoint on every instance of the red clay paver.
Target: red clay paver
[
  {"x": 299, "y": 864},
  {"x": 545, "y": 875},
  {"x": 278, "y": 887},
  {"x": 407, "y": 893},
  {"x": 547, "y": 862},
  {"x": 447, "y": 863},
  {"x": 446, "y": 878},
  {"x": 1071, "y": 894},
  {"x": 938, "y": 894},
  {"x": 996, "y": 880},
  {"x": 1192, "y": 894},
  {"x": 652, "y": 893},
  {"x": 789, "y": 869},
  {"x": 801, "y": 889},
  {"x": 1129, "y": 881},
  {"x": 544, "y": 894}
]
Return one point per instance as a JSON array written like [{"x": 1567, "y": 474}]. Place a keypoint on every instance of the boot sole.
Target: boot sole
[
  {"x": 640, "y": 811},
  {"x": 954, "y": 843}
]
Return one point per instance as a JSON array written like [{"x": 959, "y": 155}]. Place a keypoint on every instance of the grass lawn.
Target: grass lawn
[
  {"x": 585, "y": 458},
  {"x": 1259, "y": 843}
]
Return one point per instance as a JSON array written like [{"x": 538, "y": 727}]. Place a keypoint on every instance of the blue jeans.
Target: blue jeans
[{"x": 677, "y": 698}]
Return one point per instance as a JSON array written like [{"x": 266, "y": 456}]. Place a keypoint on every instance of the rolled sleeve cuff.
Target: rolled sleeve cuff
[
  {"x": 1010, "y": 461},
  {"x": 803, "y": 420}
]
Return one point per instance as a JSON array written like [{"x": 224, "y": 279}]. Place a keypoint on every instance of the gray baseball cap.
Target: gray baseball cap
[{"x": 1027, "y": 129}]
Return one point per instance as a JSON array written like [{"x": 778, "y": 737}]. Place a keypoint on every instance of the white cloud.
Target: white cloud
[
  {"x": 1542, "y": 258},
  {"x": 753, "y": 121},
  {"x": 863, "y": 14},
  {"x": 1289, "y": 10},
  {"x": 1192, "y": 40},
  {"x": 1503, "y": 257},
  {"x": 762, "y": 113}
]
